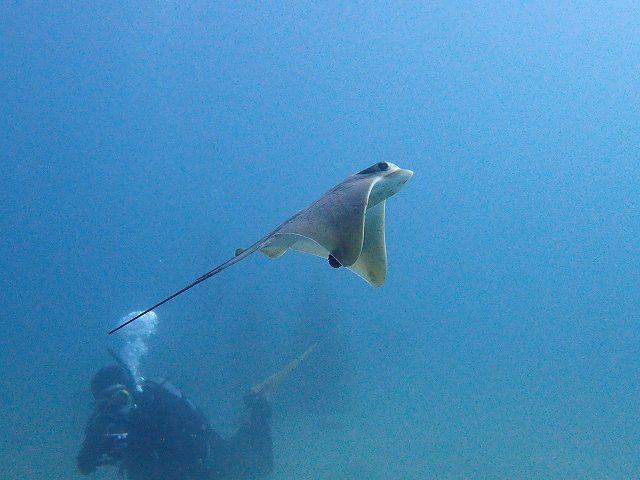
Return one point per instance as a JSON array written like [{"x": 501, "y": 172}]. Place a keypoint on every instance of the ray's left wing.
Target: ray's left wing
[{"x": 334, "y": 224}]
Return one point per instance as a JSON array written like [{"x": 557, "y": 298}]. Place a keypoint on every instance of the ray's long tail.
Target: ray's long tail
[{"x": 240, "y": 255}]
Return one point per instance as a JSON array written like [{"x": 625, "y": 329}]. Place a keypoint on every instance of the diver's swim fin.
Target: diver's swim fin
[{"x": 266, "y": 387}]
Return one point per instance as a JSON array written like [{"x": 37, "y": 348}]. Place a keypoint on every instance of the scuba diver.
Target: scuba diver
[{"x": 152, "y": 431}]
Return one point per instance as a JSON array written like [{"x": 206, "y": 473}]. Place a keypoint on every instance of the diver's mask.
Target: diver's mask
[{"x": 115, "y": 399}]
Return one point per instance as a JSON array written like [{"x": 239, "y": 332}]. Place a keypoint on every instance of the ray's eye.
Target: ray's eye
[{"x": 383, "y": 166}]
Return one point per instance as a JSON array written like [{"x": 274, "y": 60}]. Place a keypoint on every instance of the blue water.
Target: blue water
[{"x": 140, "y": 144}]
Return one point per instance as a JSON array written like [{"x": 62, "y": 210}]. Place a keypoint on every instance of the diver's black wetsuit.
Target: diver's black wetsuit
[{"x": 164, "y": 437}]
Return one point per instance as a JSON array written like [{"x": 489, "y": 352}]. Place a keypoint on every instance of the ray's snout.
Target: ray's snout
[
  {"x": 406, "y": 175},
  {"x": 402, "y": 176}
]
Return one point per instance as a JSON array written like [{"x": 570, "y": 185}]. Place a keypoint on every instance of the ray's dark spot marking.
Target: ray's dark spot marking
[{"x": 333, "y": 261}]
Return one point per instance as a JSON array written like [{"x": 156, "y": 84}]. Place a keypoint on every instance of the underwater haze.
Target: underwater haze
[{"x": 141, "y": 143}]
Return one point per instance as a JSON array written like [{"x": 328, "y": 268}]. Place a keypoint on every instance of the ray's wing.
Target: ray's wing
[
  {"x": 333, "y": 224},
  {"x": 372, "y": 262}
]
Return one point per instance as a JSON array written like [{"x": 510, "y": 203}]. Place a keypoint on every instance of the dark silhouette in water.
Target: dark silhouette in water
[{"x": 323, "y": 385}]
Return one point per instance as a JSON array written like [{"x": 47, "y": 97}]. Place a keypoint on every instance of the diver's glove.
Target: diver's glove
[
  {"x": 101, "y": 449},
  {"x": 87, "y": 463}
]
